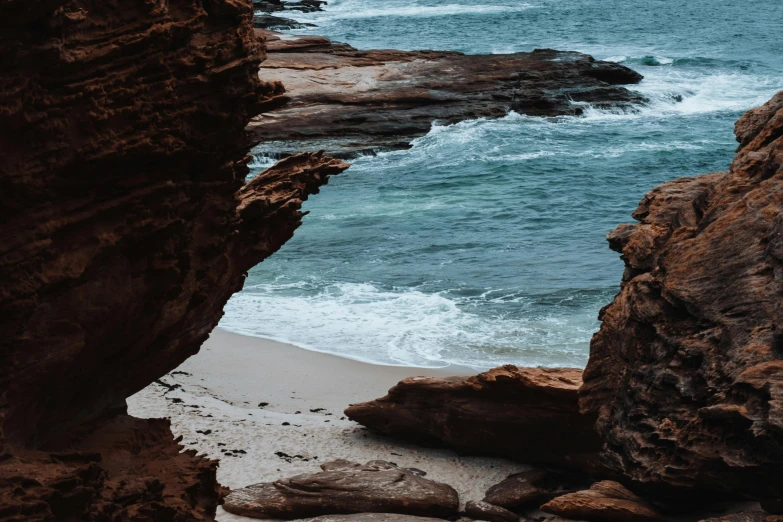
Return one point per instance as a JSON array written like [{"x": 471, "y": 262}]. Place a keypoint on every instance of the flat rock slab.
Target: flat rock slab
[
  {"x": 605, "y": 501},
  {"x": 344, "y": 99},
  {"x": 533, "y": 487},
  {"x": 344, "y": 488}
]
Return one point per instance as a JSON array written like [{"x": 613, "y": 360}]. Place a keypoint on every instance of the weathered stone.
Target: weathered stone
[
  {"x": 481, "y": 510},
  {"x": 123, "y": 158},
  {"x": 747, "y": 516},
  {"x": 528, "y": 414},
  {"x": 686, "y": 372},
  {"x": 345, "y": 487},
  {"x": 534, "y": 487},
  {"x": 605, "y": 501},
  {"x": 346, "y": 100},
  {"x": 373, "y": 517}
]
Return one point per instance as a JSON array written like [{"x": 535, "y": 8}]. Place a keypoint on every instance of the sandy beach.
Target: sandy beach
[{"x": 268, "y": 410}]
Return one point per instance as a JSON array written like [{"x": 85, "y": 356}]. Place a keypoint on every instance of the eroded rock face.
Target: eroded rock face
[
  {"x": 125, "y": 225},
  {"x": 686, "y": 372},
  {"x": 343, "y": 488},
  {"x": 346, "y": 100},
  {"x": 528, "y": 414},
  {"x": 605, "y": 501}
]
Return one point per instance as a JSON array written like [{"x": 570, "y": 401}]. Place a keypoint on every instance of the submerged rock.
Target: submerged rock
[
  {"x": 346, "y": 487},
  {"x": 528, "y": 414},
  {"x": 605, "y": 501},
  {"x": 344, "y": 99},
  {"x": 533, "y": 487},
  {"x": 686, "y": 372}
]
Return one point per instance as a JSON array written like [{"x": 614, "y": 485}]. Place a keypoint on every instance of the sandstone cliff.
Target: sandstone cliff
[
  {"x": 125, "y": 225},
  {"x": 686, "y": 372}
]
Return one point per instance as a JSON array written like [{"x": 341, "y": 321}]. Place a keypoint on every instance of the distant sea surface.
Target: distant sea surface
[{"x": 485, "y": 243}]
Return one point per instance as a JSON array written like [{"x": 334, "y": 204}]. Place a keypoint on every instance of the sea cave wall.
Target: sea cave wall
[{"x": 125, "y": 225}]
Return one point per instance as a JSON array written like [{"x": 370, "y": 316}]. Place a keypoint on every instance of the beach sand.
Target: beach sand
[{"x": 269, "y": 410}]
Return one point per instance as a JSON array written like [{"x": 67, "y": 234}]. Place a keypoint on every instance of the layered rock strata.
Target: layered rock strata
[
  {"x": 346, "y": 100},
  {"x": 686, "y": 372},
  {"x": 125, "y": 225},
  {"x": 605, "y": 501},
  {"x": 527, "y": 414}
]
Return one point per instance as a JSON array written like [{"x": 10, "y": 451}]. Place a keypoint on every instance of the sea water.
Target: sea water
[{"x": 485, "y": 243}]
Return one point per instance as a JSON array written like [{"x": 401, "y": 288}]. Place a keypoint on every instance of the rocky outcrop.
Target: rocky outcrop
[
  {"x": 528, "y": 414},
  {"x": 686, "y": 372},
  {"x": 605, "y": 501},
  {"x": 125, "y": 225},
  {"x": 346, "y": 100},
  {"x": 343, "y": 488}
]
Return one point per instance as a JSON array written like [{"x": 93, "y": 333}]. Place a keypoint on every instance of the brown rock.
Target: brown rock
[
  {"x": 747, "y": 516},
  {"x": 124, "y": 228},
  {"x": 533, "y": 487},
  {"x": 373, "y": 517},
  {"x": 481, "y": 510},
  {"x": 346, "y": 100},
  {"x": 605, "y": 501},
  {"x": 529, "y": 414},
  {"x": 345, "y": 487},
  {"x": 686, "y": 372}
]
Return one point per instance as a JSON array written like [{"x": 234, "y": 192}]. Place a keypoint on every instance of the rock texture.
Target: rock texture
[
  {"x": 373, "y": 517},
  {"x": 686, "y": 372},
  {"x": 346, "y": 100},
  {"x": 481, "y": 510},
  {"x": 534, "y": 487},
  {"x": 343, "y": 488},
  {"x": 125, "y": 225},
  {"x": 528, "y": 414},
  {"x": 605, "y": 501}
]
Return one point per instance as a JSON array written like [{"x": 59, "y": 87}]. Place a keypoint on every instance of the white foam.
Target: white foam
[
  {"x": 352, "y": 9},
  {"x": 403, "y": 327}
]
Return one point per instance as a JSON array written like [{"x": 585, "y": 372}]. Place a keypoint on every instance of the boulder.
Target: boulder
[
  {"x": 528, "y": 414},
  {"x": 343, "y": 488},
  {"x": 605, "y": 501},
  {"x": 480, "y": 510},
  {"x": 373, "y": 517},
  {"x": 533, "y": 487}
]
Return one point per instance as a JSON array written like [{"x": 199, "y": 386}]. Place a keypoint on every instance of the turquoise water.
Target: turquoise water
[{"x": 484, "y": 244}]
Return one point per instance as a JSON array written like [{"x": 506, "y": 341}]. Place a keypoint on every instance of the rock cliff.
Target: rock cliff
[
  {"x": 125, "y": 225},
  {"x": 686, "y": 372}
]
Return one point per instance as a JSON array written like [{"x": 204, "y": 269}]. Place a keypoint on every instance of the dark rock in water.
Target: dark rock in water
[
  {"x": 373, "y": 517},
  {"x": 686, "y": 372},
  {"x": 528, "y": 414},
  {"x": 480, "y": 510},
  {"x": 605, "y": 501},
  {"x": 345, "y": 487},
  {"x": 273, "y": 6},
  {"x": 534, "y": 487},
  {"x": 276, "y": 23},
  {"x": 386, "y": 98}
]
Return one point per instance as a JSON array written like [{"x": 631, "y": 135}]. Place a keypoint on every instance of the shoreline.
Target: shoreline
[
  {"x": 269, "y": 410},
  {"x": 447, "y": 370}
]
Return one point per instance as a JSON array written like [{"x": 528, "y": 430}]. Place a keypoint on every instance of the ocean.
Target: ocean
[{"x": 484, "y": 244}]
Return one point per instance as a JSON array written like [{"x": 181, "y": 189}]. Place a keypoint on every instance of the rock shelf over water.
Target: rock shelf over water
[{"x": 346, "y": 100}]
